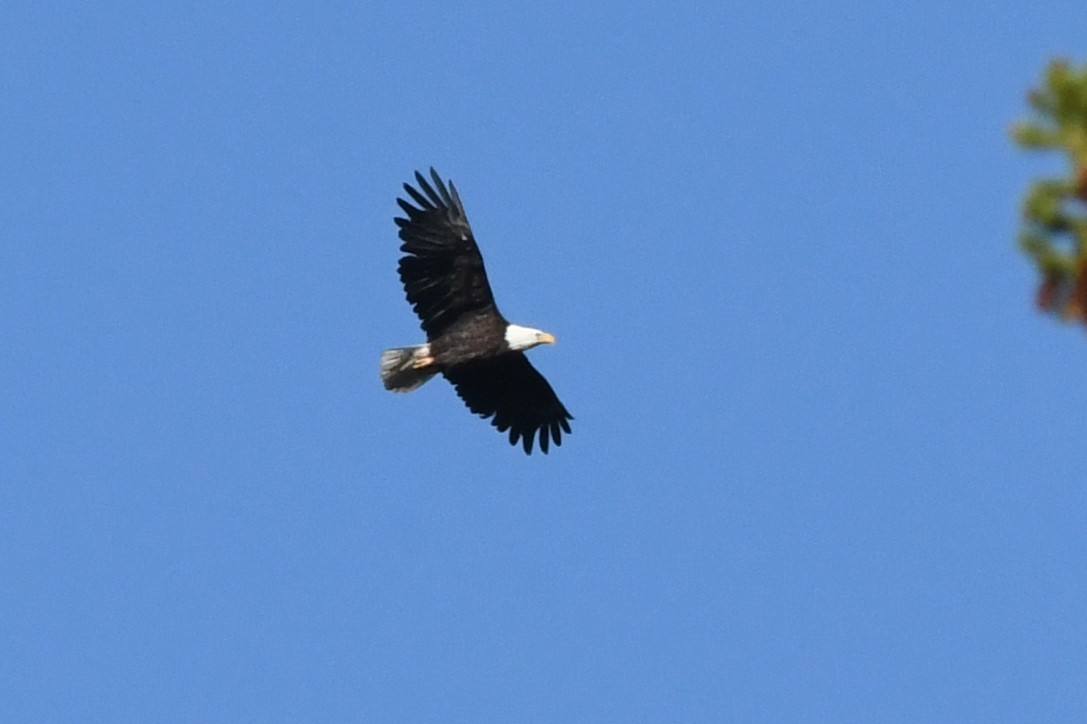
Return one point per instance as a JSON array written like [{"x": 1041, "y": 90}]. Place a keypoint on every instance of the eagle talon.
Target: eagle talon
[{"x": 420, "y": 362}]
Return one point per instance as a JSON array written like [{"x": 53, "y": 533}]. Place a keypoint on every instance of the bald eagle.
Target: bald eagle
[{"x": 468, "y": 341}]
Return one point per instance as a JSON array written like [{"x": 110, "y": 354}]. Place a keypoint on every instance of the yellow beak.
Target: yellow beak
[{"x": 546, "y": 338}]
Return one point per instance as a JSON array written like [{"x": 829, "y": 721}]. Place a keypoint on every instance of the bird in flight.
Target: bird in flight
[{"x": 468, "y": 341}]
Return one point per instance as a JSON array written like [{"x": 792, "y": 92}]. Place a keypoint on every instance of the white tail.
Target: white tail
[{"x": 398, "y": 372}]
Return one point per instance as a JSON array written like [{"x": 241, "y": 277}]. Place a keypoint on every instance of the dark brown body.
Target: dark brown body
[{"x": 474, "y": 336}]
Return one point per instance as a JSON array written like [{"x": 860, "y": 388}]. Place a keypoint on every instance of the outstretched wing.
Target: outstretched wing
[
  {"x": 520, "y": 399},
  {"x": 442, "y": 270}
]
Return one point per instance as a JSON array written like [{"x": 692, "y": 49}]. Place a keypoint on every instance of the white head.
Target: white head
[{"x": 521, "y": 338}]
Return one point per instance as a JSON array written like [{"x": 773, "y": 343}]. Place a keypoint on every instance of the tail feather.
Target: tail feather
[{"x": 397, "y": 371}]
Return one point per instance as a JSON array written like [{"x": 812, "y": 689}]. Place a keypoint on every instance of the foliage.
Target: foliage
[{"x": 1054, "y": 231}]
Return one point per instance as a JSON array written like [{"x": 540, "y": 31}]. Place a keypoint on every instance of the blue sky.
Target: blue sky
[{"x": 826, "y": 462}]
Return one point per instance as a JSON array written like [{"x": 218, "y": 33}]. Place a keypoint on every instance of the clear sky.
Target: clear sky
[{"x": 827, "y": 463}]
